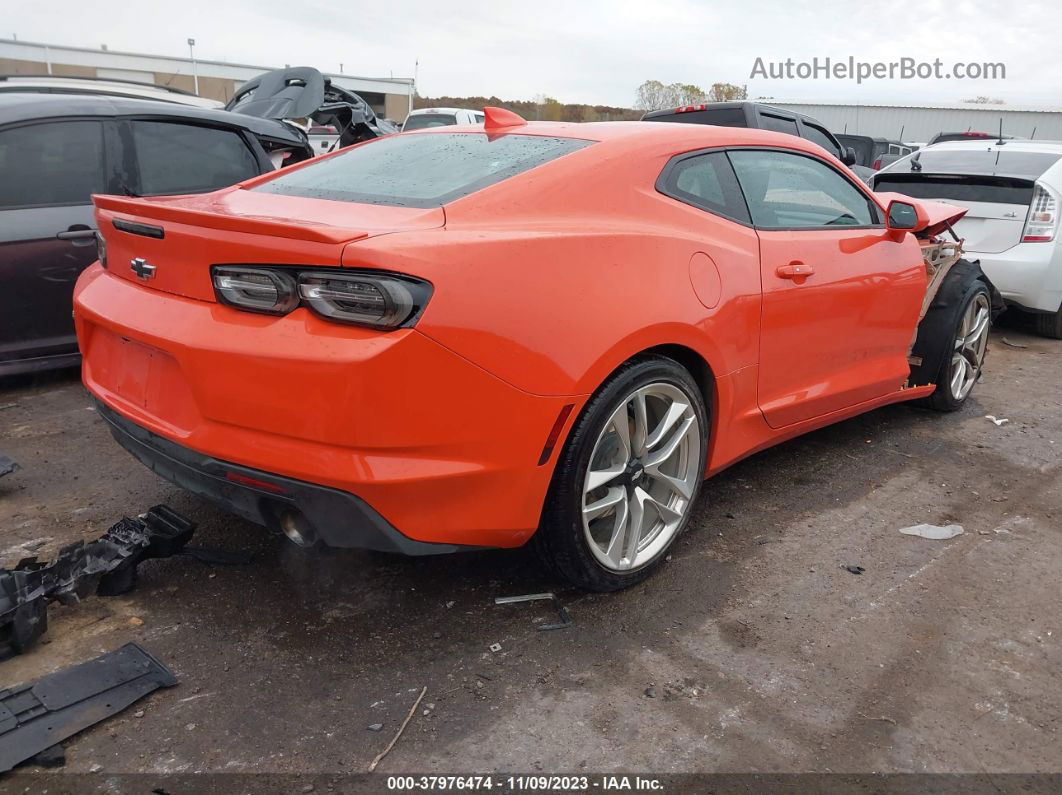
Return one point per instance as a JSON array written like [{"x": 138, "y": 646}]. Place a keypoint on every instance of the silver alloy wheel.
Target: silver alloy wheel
[
  {"x": 971, "y": 342},
  {"x": 642, "y": 476}
]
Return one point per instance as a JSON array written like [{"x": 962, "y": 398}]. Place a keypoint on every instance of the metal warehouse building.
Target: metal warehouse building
[
  {"x": 389, "y": 96},
  {"x": 919, "y": 123}
]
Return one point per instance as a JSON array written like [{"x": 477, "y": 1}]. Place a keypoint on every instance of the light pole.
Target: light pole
[{"x": 195, "y": 72}]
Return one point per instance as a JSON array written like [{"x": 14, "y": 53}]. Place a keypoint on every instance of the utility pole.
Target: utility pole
[
  {"x": 195, "y": 71},
  {"x": 413, "y": 85}
]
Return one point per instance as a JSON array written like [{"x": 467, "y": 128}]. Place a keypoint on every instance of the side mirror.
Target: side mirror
[
  {"x": 849, "y": 157},
  {"x": 902, "y": 216}
]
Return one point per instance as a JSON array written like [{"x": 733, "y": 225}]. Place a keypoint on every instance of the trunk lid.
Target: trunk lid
[{"x": 182, "y": 236}]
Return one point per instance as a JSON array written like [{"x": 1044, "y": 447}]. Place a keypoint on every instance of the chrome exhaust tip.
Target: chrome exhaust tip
[{"x": 294, "y": 525}]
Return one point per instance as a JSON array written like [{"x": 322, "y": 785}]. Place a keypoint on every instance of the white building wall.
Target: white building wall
[
  {"x": 920, "y": 124},
  {"x": 132, "y": 62}
]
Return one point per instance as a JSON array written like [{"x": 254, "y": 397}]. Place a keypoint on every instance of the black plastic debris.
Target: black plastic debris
[
  {"x": 851, "y": 569},
  {"x": 35, "y": 717},
  {"x": 7, "y": 465},
  {"x": 106, "y": 566}
]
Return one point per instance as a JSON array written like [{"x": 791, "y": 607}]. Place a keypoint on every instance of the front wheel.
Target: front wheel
[
  {"x": 960, "y": 370},
  {"x": 627, "y": 478}
]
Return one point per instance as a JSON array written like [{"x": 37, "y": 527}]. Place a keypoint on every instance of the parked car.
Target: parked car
[
  {"x": 440, "y": 117},
  {"x": 759, "y": 116},
  {"x": 872, "y": 152},
  {"x": 1012, "y": 192},
  {"x": 324, "y": 138},
  {"x": 56, "y": 150},
  {"x": 455, "y": 337},
  {"x": 49, "y": 84}
]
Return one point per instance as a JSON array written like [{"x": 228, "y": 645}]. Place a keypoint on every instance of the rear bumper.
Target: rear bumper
[
  {"x": 337, "y": 519},
  {"x": 438, "y": 447},
  {"x": 1028, "y": 275}
]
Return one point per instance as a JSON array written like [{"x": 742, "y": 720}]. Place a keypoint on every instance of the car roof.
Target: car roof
[
  {"x": 17, "y": 106},
  {"x": 992, "y": 144},
  {"x": 732, "y": 105},
  {"x": 92, "y": 85}
]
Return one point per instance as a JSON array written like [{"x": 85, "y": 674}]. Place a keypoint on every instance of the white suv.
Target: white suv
[
  {"x": 1012, "y": 190},
  {"x": 441, "y": 117}
]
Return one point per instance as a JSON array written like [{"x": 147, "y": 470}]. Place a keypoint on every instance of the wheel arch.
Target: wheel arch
[{"x": 693, "y": 360}]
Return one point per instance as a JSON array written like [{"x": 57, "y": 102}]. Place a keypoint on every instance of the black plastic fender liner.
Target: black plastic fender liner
[
  {"x": 106, "y": 566},
  {"x": 934, "y": 341},
  {"x": 37, "y": 715}
]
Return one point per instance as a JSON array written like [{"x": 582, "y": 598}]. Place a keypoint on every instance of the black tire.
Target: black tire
[
  {"x": 944, "y": 397},
  {"x": 560, "y": 541},
  {"x": 1050, "y": 325}
]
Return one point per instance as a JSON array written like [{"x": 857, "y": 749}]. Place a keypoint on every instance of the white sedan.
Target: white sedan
[{"x": 1012, "y": 190}]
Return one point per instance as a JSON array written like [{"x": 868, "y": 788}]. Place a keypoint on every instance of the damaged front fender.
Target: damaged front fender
[{"x": 933, "y": 341}]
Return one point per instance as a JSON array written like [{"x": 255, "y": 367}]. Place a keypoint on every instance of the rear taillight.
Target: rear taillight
[
  {"x": 378, "y": 301},
  {"x": 364, "y": 298},
  {"x": 1042, "y": 220},
  {"x": 876, "y": 165},
  {"x": 689, "y": 108},
  {"x": 256, "y": 289}
]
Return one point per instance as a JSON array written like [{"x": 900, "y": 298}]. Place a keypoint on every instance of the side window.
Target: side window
[
  {"x": 706, "y": 181},
  {"x": 480, "y": 118},
  {"x": 186, "y": 158},
  {"x": 790, "y": 191},
  {"x": 778, "y": 123},
  {"x": 817, "y": 135},
  {"x": 53, "y": 163}
]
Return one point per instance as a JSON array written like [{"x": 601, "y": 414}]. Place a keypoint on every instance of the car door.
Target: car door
[
  {"x": 841, "y": 295},
  {"x": 48, "y": 171},
  {"x": 173, "y": 156}
]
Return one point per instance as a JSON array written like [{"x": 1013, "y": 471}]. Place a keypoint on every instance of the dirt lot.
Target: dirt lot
[{"x": 753, "y": 649}]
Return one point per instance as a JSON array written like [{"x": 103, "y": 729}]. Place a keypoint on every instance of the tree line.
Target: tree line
[
  {"x": 650, "y": 95},
  {"x": 541, "y": 108}
]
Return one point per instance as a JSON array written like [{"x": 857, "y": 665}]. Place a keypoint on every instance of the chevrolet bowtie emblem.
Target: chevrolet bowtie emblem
[{"x": 142, "y": 268}]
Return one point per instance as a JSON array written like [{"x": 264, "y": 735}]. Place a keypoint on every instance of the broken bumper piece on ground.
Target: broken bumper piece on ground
[
  {"x": 7, "y": 465},
  {"x": 36, "y": 716},
  {"x": 106, "y": 566}
]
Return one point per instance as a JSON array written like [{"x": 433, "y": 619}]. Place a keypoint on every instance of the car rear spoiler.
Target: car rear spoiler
[{"x": 165, "y": 209}]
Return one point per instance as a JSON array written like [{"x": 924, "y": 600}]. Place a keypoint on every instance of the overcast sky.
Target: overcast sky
[{"x": 595, "y": 51}]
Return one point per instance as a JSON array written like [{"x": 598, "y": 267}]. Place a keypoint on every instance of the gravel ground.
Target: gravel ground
[{"x": 753, "y": 649}]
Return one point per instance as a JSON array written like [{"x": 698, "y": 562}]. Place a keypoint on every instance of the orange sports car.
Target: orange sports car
[{"x": 469, "y": 337}]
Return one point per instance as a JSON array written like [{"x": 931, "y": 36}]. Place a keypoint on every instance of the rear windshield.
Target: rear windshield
[
  {"x": 427, "y": 170},
  {"x": 997, "y": 190},
  {"x": 720, "y": 117},
  {"x": 422, "y": 120},
  {"x": 989, "y": 162}
]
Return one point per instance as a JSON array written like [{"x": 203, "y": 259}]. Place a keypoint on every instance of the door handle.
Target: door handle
[
  {"x": 794, "y": 270},
  {"x": 77, "y": 234}
]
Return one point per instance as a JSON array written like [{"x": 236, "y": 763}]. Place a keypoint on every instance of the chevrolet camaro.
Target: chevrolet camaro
[{"x": 469, "y": 337}]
